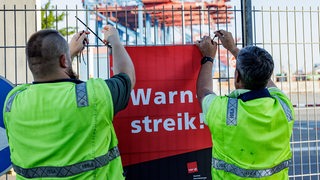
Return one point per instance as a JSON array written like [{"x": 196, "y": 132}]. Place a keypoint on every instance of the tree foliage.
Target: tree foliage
[{"x": 50, "y": 18}]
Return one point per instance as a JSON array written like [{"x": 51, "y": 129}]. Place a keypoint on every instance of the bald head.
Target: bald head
[{"x": 44, "y": 50}]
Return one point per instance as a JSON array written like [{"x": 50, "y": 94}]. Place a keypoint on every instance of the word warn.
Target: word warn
[{"x": 160, "y": 97}]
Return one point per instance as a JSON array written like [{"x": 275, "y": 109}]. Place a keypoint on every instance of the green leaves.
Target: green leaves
[{"x": 50, "y": 19}]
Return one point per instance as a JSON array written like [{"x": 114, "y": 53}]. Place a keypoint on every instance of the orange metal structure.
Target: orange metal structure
[{"x": 170, "y": 13}]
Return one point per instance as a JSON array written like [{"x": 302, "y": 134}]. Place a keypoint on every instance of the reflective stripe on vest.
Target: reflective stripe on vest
[
  {"x": 10, "y": 101},
  {"x": 249, "y": 173},
  {"x": 53, "y": 171},
  {"x": 232, "y": 112},
  {"x": 82, "y": 96},
  {"x": 286, "y": 109}
]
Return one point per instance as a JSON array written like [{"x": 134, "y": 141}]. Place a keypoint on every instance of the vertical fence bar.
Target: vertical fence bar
[
  {"x": 77, "y": 29},
  {"x": 246, "y": 22},
  {"x": 235, "y": 30},
  {"x": 15, "y": 43},
  {"x": 98, "y": 43},
  {"x": 25, "y": 39},
  {"x": 88, "y": 49},
  {"x": 288, "y": 53},
  {"x": 191, "y": 24},
  {"x": 4, "y": 41},
  {"x": 280, "y": 48},
  {"x": 67, "y": 23},
  {"x": 135, "y": 23},
  {"x": 155, "y": 26},
  {"x": 183, "y": 30},
  {"x": 316, "y": 124},
  {"x": 262, "y": 28},
  {"x": 289, "y": 87},
  {"x": 305, "y": 88},
  {"x": 228, "y": 56},
  {"x": 140, "y": 22},
  {"x": 235, "y": 27},
  {"x": 145, "y": 15},
  {"x": 271, "y": 29},
  {"x": 172, "y": 26},
  {"x": 56, "y": 12},
  {"x": 163, "y": 27},
  {"x": 313, "y": 78},
  {"x": 209, "y": 24},
  {"x": 254, "y": 25},
  {"x": 201, "y": 10},
  {"x": 35, "y": 18},
  {"x": 297, "y": 82},
  {"x": 108, "y": 49},
  {"x": 126, "y": 21},
  {"x": 46, "y": 11},
  {"x": 219, "y": 62}
]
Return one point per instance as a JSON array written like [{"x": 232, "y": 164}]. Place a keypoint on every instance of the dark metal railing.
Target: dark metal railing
[{"x": 292, "y": 36}]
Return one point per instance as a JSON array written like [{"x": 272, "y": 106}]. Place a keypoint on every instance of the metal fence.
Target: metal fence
[{"x": 292, "y": 36}]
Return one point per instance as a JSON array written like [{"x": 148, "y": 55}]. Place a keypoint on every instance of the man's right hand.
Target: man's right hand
[{"x": 111, "y": 35}]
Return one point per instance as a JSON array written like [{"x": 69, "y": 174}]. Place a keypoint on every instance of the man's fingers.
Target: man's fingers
[
  {"x": 214, "y": 43},
  {"x": 106, "y": 27},
  {"x": 220, "y": 33},
  {"x": 105, "y": 42}
]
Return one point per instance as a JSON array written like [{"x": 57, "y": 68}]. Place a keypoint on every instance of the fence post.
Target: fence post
[{"x": 246, "y": 22}]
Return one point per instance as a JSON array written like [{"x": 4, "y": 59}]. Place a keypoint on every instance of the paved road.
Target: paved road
[{"x": 306, "y": 150}]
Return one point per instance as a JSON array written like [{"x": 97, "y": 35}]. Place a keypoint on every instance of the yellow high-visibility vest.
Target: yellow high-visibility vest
[
  {"x": 63, "y": 130},
  {"x": 251, "y": 139}
]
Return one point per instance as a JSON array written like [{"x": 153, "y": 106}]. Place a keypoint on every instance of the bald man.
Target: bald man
[{"x": 60, "y": 126}]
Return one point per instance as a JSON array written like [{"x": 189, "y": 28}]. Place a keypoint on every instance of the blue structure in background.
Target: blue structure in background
[{"x": 5, "y": 164}]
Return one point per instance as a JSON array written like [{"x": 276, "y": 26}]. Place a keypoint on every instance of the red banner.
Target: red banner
[{"x": 163, "y": 117}]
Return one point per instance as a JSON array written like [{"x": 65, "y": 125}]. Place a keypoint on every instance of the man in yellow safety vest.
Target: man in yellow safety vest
[
  {"x": 59, "y": 126},
  {"x": 251, "y": 127}
]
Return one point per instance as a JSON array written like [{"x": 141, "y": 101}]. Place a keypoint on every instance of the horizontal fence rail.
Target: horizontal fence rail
[{"x": 290, "y": 35}]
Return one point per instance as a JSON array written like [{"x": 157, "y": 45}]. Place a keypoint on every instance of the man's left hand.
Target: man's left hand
[
  {"x": 78, "y": 43},
  {"x": 207, "y": 47}
]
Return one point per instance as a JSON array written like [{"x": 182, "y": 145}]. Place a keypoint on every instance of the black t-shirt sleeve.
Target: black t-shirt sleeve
[{"x": 120, "y": 88}]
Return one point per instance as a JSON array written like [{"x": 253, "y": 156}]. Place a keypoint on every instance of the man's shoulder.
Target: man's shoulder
[
  {"x": 274, "y": 91},
  {"x": 17, "y": 89}
]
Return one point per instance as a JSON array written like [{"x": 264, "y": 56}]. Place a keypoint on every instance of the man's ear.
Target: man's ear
[
  {"x": 237, "y": 80},
  {"x": 63, "y": 61},
  {"x": 237, "y": 76}
]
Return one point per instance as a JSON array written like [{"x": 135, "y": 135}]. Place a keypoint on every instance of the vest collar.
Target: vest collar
[
  {"x": 254, "y": 94},
  {"x": 60, "y": 80},
  {"x": 247, "y": 95}
]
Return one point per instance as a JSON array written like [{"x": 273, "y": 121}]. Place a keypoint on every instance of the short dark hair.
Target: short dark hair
[
  {"x": 255, "y": 66},
  {"x": 44, "y": 49}
]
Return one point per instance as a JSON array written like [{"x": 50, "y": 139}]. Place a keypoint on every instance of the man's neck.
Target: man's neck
[{"x": 51, "y": 77}]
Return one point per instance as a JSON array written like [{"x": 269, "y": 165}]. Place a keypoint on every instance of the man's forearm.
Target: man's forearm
[
  {"x": 234, "y": 51},
  {"x": 122, "y": 62},
  {"x": 204, "y": 81}
]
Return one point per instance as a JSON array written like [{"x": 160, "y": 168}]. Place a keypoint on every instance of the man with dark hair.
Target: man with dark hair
[
  {"x": 251, "y": 127},
  {"x": 60, "y": 126}
]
